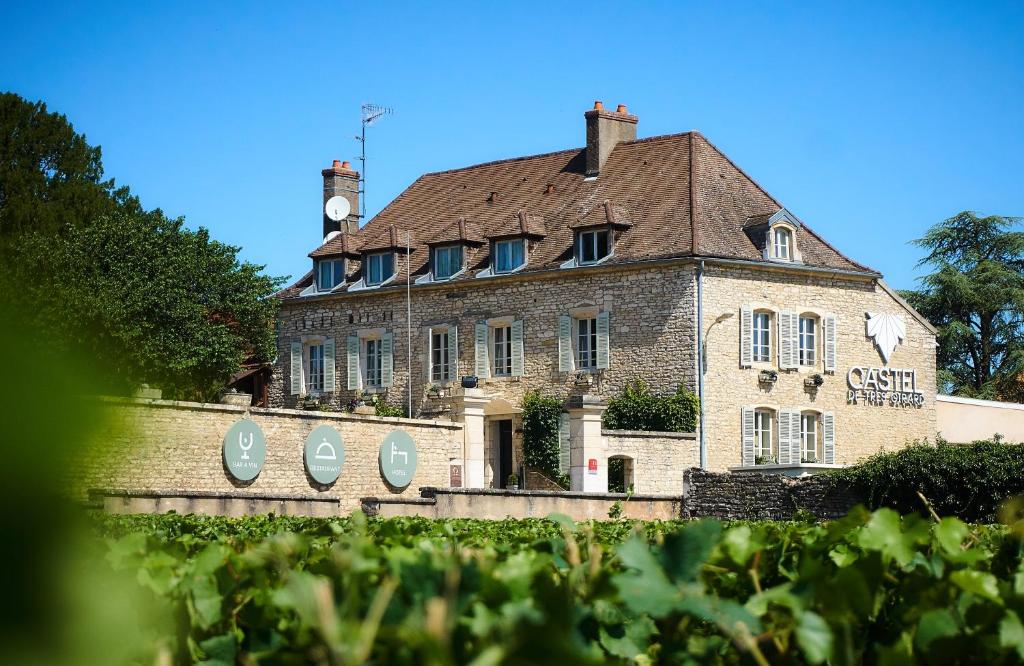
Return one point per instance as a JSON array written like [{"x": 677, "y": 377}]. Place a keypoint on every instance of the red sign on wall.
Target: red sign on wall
[{"x": 592, "y": 466}]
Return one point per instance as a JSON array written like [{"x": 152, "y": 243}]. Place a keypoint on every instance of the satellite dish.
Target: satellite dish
[
  {"x": 337, "y": 208},
  {"x": 333, "y": 234}
]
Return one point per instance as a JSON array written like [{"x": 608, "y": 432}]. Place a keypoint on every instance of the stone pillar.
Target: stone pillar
[
  {"x": 468, "y": 408},
  {"x": 586, "y": 444}
]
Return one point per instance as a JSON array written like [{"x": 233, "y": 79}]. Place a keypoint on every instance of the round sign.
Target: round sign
[
  {"x": 325, "y": 454},
  {"x": 245, "y": 450},
  {"x": 337, "y": 208},
  {"x": 398, "y": 458}
]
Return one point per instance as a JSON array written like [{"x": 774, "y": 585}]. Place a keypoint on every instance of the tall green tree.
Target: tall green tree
[
  {"x": 50, "y": 176},
  {"x": 144, "y": 297},
  {"x": 974, "y": 295}
]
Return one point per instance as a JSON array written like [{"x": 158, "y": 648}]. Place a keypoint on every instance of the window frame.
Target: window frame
[
  {"x": 509, "y": 243},
  {"x": 579, "y": 335},
  {"x": 756, "y": 343},
  {"x": 448, "y": 249},
  {"x": 581, "y": 243},
  {"x": 440, "y": 367},
  {"x": 317, "y": 367},
  {"x": 504, "y": 345},
  {"x": 778, "y": 235},
  {"x": 372, "y": 360},
  {"x": 818, "y": 437},
  {"x": 761, "y": 431},
  {"x": 338, "y": 273},
  {"x": 808, "y": 357},
  {"x": 368, "y": 265}
]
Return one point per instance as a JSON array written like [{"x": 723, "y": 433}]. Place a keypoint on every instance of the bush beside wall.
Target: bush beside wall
[
  {"x": 636, "y": 408},
  {"x": 969, "y": 481}
]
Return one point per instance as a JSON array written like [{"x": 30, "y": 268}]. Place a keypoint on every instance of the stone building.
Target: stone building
[{"x": 576, "y": 272}]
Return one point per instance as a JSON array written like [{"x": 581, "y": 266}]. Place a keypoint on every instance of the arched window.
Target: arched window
[
  {"x": 782, "y": 247},
  {"x": 810, "y": 438}
]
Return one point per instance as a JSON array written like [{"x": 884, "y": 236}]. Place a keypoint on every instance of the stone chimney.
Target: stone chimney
[
  {"x": 342, "y": 180},
  {"x": 605, "y": 129}
]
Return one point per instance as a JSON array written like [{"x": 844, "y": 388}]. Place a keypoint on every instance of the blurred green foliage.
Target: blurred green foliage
[{"x": 873, "y": 588}]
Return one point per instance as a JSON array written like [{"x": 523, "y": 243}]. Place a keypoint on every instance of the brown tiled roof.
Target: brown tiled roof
[
  {"x": 386, "y": 237},
  {"x": 603, "y": 214},
  {"x": 519, "y": 224},
  {"x": 682, "y": 196},
  {"x": 459, "y": 231},
  {"x": 340, "y": 245}
]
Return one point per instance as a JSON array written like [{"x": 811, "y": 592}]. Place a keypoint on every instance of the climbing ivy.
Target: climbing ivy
[
  {"x": 541, "y": 415},
  {"x": 636, "y": 408}
]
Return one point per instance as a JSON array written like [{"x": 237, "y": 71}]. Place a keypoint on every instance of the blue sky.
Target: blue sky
[{"x": 870, "y": 121}]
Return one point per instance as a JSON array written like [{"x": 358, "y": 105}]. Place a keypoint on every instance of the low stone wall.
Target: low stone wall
[
  {"x": 659, "y": 458},
  {"x": 160, "y": 454},
  {"x": 755, "y": 495},
  {"x": 498, "y": 504}
]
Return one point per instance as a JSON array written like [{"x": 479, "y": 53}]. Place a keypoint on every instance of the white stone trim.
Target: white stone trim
[{"x": 994, "y": 404}]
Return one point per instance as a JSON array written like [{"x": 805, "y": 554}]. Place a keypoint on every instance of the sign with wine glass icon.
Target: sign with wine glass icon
[
  {"x": 245, "y": 450},
  {"x": 398, "y": 458},
  {"x": 324, "y": 454}
]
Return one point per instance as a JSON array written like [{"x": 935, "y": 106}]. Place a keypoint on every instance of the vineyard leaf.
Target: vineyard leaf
[
  {"x": 206, "y": 600},
  {"x": 935, "y": 624},
  {"x": 126, "y": 550},
  {"x": 980, "y": 583},
  {"x": 900, "y": 653},
  {"x": 950, "y": 533},
  {"x": 644, "y": 587},
  {"x": 686, "y": 551},
  {"x": 843, "y": 556},
  {"x": 725, "y": 613},
  {"x": 738, "y": 544},
  {"x": 219, "y": 650},
  {"x": 563, "y": 521},
  {"x": 814, "y": 636},
  {"x": 883, "y": 534},
  {"x": 491, "y": 656},
  {"x": 1011, "y": 633}
]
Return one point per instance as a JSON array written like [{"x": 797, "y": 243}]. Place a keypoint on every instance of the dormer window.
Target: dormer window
[
  {"x": 447, "y": 261},
  {"x": 782, "y": 245},
  {"x": 509, "y": 255},
  {"x": 592, "y": 246},
  {"x": 378, "y": 267},
  {"x": 330, "y": 273}
]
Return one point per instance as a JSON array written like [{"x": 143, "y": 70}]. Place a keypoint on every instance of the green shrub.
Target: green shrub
[
  {"x": 636, "y": 408},
  {"x": 541, "y": 416},
  {"x": 968, "y": 481},
  {"x": 382, "y": 408}
]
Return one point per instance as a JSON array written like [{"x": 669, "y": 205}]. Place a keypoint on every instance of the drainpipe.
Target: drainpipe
[{"x": 700, "y": 362}]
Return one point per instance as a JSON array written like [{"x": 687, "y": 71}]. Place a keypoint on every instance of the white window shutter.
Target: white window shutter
[
  {"x": 352, "y": 351},
  {"x": 565, "y": 344},
  {"x": 747, "y": 427},
  {"x": 330, "y": 382},
  {"x": 428, "y": 355},
  {"x": 483, "y": 365},
  {"x": 387, "y": 361},
  {"x": 296, "y": 369},
  {"x": 797, "y": 444},
  {"x": 785, "y": 437},
  {"x": 603, "y": 343},
  {"x": 563, "y": 443},
  {"x": 517, "y": 348},
  {"x": 453, "y": 352},
  {"x": 746, "y": 337},
  {"x": 828, "y": 437},
  {"x": 787, "y": 340},
  {"x": 831, "y": 326}
]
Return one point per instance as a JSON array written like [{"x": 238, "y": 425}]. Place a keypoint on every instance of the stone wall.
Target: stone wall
[
  {"x": 860, "y": 429},
  {"x": 651, "y": 329},
  {"x": 658, "y": 458},
  {"x": 753, "y": 496},
  {"x": 175, "y": 448}
]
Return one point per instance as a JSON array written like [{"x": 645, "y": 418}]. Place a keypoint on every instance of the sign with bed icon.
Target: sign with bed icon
[{"x": 398, "y": 458}]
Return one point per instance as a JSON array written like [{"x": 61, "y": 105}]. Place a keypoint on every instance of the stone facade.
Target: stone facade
[
  {"x": 657, "y": 459},
  {"x": 860, "y": 429},
  {"x": 171, "y": 448}
]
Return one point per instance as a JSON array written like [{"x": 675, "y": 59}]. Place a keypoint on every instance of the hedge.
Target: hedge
[{"x": 636, "y": 408}]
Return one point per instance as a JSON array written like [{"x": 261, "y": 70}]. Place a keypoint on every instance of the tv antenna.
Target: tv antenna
[{"x": 369, "y": 114}]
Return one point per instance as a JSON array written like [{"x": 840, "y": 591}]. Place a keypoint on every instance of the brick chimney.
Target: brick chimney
[
  {"x": 342, "y": 180},
  {"x": 605, "y": 129}
]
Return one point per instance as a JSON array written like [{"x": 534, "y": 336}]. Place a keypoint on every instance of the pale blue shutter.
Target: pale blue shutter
[
  {"x": 796, "y": 451},
  {"x": 563, "y": 443},
  {"x": 517, "y": 348},
  {"x": 830, "y": 325},
  {"x": 603, "y": 344},
  {"x": 453, "y": 352},
  {"x": 483, "y": 366},
  {"x": 330, "y": 383},
  {"x": 387, "y": 362},
  {"x": 788, "y": 340},
  {"x": 746, "y": 337},
  {"x": 565, "y": 344},
  {"x": 428, "y": 355},
  {"x": 747, "y": 427},
  {"x": 296, "y": 368},
  {"x": 352, "y": 351},
  {"x": 828, "y": 427}
]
